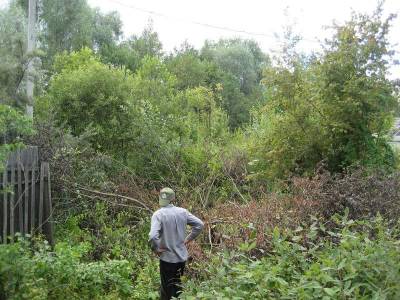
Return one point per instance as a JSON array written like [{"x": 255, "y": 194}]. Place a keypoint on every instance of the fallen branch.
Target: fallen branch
[
  {"x": 108, "y": 201},
  {"x": 113, "y": 195}
]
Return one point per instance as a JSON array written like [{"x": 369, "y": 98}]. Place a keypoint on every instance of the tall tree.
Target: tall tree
[
  {"x": 242, "y": 62},
  {"x": 72, "y": 25},
  {"x": 337, "y": 107},
  {"x": 242, "y": 58},
  {"x": 190, "y": 69},
  {"x": 131, "y": 52},
  {"x": 14, "y": 59}
]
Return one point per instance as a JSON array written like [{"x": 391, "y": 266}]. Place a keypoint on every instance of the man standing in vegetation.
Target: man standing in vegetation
[{"x": 168, "y": 240}]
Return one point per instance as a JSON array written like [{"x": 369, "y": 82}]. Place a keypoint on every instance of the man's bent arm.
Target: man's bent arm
[
  {"x": 154, "y": 235},
  {"x": 196, "y": 224}
]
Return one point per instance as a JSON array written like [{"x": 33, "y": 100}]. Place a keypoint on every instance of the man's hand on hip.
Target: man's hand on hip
[{"x": 160, "y": 251}]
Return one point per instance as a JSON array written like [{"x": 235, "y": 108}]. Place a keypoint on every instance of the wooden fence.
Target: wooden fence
[{"x": 25, "y": 191}]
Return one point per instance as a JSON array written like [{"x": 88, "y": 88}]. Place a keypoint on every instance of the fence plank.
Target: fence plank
[
  {"x": 33, "y": 198},
  {"x": 25, "y": 208},
  {"x": 26, "y": 156},
  {"x": 19, "y": 195},
  {"x": 41, "y": 188},
  {"x": 12, "y": 205},
  {"x": 5, "y": 206},
  {"x": 26, "y": 203}
]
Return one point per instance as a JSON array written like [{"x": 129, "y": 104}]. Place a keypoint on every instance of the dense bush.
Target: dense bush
[
  {"x": 337, "y": 106},
  {"x": 356, "y": 260},
  {"x": 88, "y": 96},
  {"x": 39, "y": 273},
  {"x": 224, "y": 127}
]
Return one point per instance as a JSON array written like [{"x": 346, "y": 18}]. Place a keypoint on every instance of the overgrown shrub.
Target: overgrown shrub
[
  {"x": 356, "y": 260},
  {"x": 338, "y": 105},
  {"x": 62, "y": 274}
]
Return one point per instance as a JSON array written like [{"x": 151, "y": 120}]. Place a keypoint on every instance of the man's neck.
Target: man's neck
[{"x": 167, "y": 206}]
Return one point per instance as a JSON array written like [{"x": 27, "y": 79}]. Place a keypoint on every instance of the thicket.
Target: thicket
[
  {"x": 345, "y": 259},
  {"x": 240, "y": 135}
]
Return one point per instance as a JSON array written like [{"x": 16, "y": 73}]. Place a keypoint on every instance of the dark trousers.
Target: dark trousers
[{"x": 170, "y": 274}]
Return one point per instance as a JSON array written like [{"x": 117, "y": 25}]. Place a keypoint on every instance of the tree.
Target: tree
[
  {"x": 154, "y": 84},
  {"x": 131, "y": 52},
  {"x": 188, "y": 67},
  {"x": 353, "y": 73},
  {"x": 241, "y": 58},
  {"x": 14, "y": 59},
  {"x": 90, "y": 97},
  {"x": 72, "y": 25},
  {"x": 336, "y": 107},
  {"x": 241, "y": 62},
  {"x": 67, "y": 26},
  {"x": 107, "y": 29}
]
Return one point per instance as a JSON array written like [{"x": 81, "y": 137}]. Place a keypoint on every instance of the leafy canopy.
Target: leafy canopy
[{"x": 337, "y": 107}]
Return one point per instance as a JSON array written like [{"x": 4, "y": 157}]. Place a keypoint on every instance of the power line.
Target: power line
[{"x": 158, "y": 14}]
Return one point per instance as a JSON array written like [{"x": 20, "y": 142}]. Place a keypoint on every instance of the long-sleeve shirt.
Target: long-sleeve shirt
[{"x": 168, "y": 231}]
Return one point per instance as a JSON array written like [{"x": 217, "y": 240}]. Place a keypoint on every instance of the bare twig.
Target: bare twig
[
  {"x": 115, "y": 196},
  {"x": 111, "y": 202}
]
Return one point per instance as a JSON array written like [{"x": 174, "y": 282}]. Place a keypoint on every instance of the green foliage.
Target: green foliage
[
  {"x": 60, "y": 274},
  {"x": 108, "y": 232},
  {"x": 141, "y": 119},
  {"x": 190, "y": 70},
  {"x": 355, "y": 260},
  {"x": 107, "y": 235},
  {"x": 241, "y": 62},
  {"x": 72, "y": 25},
  {"x": 115, "y": 107},
  {"x": 88, "y": 96},
  {"x": 337, "y": 107},
  {"x": 154, "y": 84},
  {"x": 147, "y": 44},
  {"x": 242, "y": 58},
  {"x": 365, "y": 103},
  {"x": 13, "y": 126},
  {"x": 147, "y": 281},
  {"x": 14, "y": 60},
  {"x": 107, "y": 29},
  {"x": 131, "y": 52},
  {"x": 67, "y": 26}
]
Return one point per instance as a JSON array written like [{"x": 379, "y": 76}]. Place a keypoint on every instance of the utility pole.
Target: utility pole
[{"x": 31, "y": 48}]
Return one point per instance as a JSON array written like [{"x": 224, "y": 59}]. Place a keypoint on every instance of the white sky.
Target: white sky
[
  {"x": 258, "y": 16},
  {"x": 266, "y": 17}
]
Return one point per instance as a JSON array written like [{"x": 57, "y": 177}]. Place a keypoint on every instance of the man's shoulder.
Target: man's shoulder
[
  {"x": 168, "y": 210},
  {"x": 157, "y": 212},
  {"x": 180, "y": 209}
]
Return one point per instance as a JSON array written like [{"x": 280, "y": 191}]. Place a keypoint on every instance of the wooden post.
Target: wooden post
[
  {"x": 5, "y": 206},
  {"x": 48, "y": 210}
]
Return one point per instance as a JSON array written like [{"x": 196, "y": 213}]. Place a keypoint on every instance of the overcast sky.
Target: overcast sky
[{"x": 175, "y": 20}]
